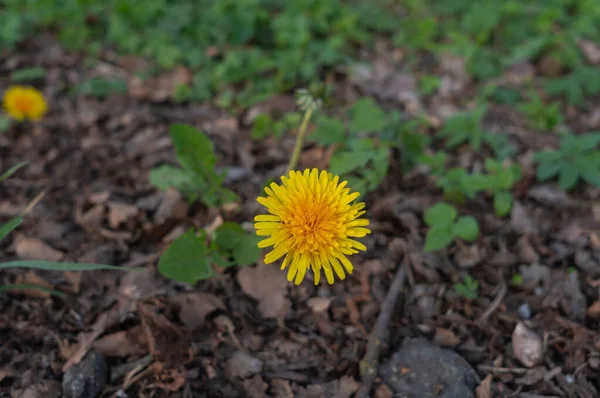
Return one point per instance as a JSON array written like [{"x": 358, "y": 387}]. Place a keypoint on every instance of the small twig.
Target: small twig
[
  {"x": 34, "y": 202},
  {"x": 494, "y": 305},
  {"x": 368, "y": 365},
  {"x": 498, "y": 369}
]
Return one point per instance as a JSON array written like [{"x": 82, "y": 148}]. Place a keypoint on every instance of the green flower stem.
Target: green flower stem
[{"x": 300, "y": 139}]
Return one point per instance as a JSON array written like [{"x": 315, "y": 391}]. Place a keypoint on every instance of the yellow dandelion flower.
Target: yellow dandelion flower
[
  {"x": 312, "y": 221},
  {"x": 22, "y": 103}
]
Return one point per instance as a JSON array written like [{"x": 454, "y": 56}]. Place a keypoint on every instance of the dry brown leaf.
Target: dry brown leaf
[
  {"x": 319, "y": 304},
  {"x": 161, "y": 88},
  {"x": 445, "y": 338},
  {"x": 172, "y": 206},
  {"x": 194, "y": 307},
  {"x": 594, "y": 310},
  {"x": 169, "y": 379},
  {"x": 32, "y": 278},
  {"x": 484, "y": 390},
  {"x": 123, "y": 343},
  {"x": 267, "y": 285},
  {"x": 118, "y": 213},
  {"x": 35, "y": 249}
]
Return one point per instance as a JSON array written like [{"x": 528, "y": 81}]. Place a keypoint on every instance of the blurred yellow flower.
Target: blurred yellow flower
[
  {"x": 22, "y": 103},
  {"x": 312, "y": 221}
]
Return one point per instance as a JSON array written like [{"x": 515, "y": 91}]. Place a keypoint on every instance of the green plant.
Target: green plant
[
  {"x": 468, "y": 288},
  {"x": 466, "y": 127},
  {"x": 264, "y": 125},
  {"x": 458, "y": 185},
  {"x": 197, "y": 177},
  {"x": 191, "y": 256},
  {"x": 101, "y": 87},
  {"x": 498, "y": 182},
  {"x": 542, "y": 116},
  {"x": 446, "y": 226},
  {"x": 577, "y": 157},
  {"x": 27, "y": 74},
  {"x": 582, "y": 82},
  {"x": 359, "y": 158}
]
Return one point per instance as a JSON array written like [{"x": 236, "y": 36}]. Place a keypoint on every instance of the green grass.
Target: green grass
[{"x": 250, "y": 49}]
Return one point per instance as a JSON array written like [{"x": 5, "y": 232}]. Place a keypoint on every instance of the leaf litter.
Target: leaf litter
[{"x": 248, "y": 332}]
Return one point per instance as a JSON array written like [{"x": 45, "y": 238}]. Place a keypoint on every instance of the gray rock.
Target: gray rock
[
  {"x": 420, "y": 369},
  {"x": 87, "y": 378}
]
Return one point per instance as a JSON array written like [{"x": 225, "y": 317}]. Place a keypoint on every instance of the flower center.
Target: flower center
[
  {"x": 313, "y": 227},
  {"x": 24, "y": 103}
]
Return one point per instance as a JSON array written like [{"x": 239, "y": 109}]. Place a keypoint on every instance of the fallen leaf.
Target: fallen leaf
[
  {"x": 594, "y": 310},
  {"x": 118, "y": 213},
  {"x": 35, "y": 249},
  {"x": 170, "y": 379},
  {"x": 123, "y": 343},
  {"x": 282, "y": 389},
  {"x": 383, "y": 391},
  {"x": 484, "y": 389},
  {"x": 267, "y": 285},
  {"x": 590, "y": 50},
  {"x": 527, "y": 345},
  {"x": 255, "y": 387},
  {"x": 43, "y": 389},
  {"x": 31, "y": 278},
  {"x": 194, "y": 307},
  {"x": 445, "y": 338},
  {"x": 160, "y": 88},
  {"x": 172, "y": 206},
  {"x": 91, "y": 219},
  {"x": 243, "y": 365},
  {"x": 319, "y": 304},
  {"x": 468, "y": 256}
]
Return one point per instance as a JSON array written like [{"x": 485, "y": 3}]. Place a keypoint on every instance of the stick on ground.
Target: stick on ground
[{"x": 368, "y": 365}]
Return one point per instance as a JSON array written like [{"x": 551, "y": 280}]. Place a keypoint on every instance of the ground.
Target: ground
[{"x": 519, "y": 303}]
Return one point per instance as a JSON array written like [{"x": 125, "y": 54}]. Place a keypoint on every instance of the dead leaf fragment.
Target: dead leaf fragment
[
  {"x": 527, "y": 345},
  {"x": 590, "y": 50},
  {"x": 31, "y": 278},
  {"x": 194, "y": 307},
  {"x": 319, "y": 304},
  {"x": 172, "y": 206},
  {"x": 35, "y": 249},
  {"x": 123, "y": 343},
  {"x": 243, "y": 365},
  {"x": 594, "y": 310},
  {"x": 484, "y": 389},
  {"x": 118, "y": 213},
  {"x": 266, "y": 284},
  {"x": 445, "y": 338}
]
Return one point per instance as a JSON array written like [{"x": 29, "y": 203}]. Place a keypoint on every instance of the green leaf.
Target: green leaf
[
  {"x": 568, "y": 177},
  {"x": 262, "y": 126},
  {"x": 547, "y": 170},
  {"x": 11, "y": 171},
  {"x": 343, "y": 162},
  {"x": 591, "y": 176},
  {"x": 165, "y": 177},
  {"x": 186, "y": 260},
  {"x": 101, "y": 87},
  {"x": 195, "y": 151},
  {"x": 10, "y": 226},
  {"x": 26, "y": 74},
  {"x": 441, "y": 214},
  {"x": 503, "y": 201},
  {"x": 438, "y": 237},
  {"x": 366, "y": 115},
  {"x": 242, "y": 245},
  {"x": 62, "y": 266},
  {"x": 4, "y": 124},
  {"x": 30, "y": 286},
  {"x": 466, "y": 228},
  {"x": 328, "y": 131}
]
